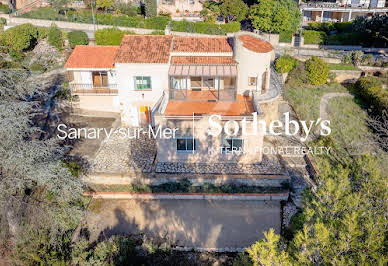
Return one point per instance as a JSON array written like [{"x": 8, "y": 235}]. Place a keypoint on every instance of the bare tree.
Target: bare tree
[{"x": 380, "y": 126}]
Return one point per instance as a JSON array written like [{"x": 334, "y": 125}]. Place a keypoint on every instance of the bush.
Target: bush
[
  {"x": 150, "y": 8},
  {"x": 371, "y": 91},
  {"x": 314, "y": 37},
  {"x": 5, "y": 9},
  {"x": 317, "y": 71},
  {"x": 84, "y": 16},
  {"x": 110, "y": 36},
  {"x": 285, "y": 63},
  {"x": 347, "y": 38},
  {"x": 21, "y": 38},
  {"x": 353, "y": 57},
  {"x": 126, "y": 9},
  {"x": 157, "y": 32},
  {"x": 321, "y": 26},
  {"x": 55, "y": 37},
  {"x": 37, "y": 68},
  {"x": 286, "y": 36},
  {"x": 77, "y": 37},
  {"x": 3, "y": 22},
  {"x": 204, "y": 27}
]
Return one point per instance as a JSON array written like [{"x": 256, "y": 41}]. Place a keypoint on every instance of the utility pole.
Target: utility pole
[{"x": 94, "y": 21}]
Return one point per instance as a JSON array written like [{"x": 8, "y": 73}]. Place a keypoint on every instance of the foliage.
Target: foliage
[
  {"x": 40, "y": 200},
  {"x": 21, "y": 38},
  {"x": 104, "y": 4},
  {"x": 204, "y": 27},
  {"x": 150, "y": 8},
  {"x": 5, "y": 9},
  {"x": 286, "y": 36},
  {"x": 317, "y": 71},
  {"x": 353, "y": 57},
  {"x": 314, "y": 37},
  {"x": 77, "y": 37},
  {"x": 285, "y": 63},
  {"x": 3, "y": 22},
  {"x": 157, "y": 32},
  {"x": 58, "y": 4},
  {"x": 110, "y": 36},
  {"x": 370, "y": 89},
  {"x": 85, "y": 16},
  {"x": 376, "y": 28},
  {"x": 55, "y": 37},
  {"x": 348, "y": 38},
  {"x": 126, "y": 9},
  {"x": 210, "y": 12},
  {"x": 37, "y": 68},
  {"x": 267, "y": 252},
  {"x": 275, "y": 16},
  {"x": 328, "y": 27},
  {"x": 234, "y": 10}
]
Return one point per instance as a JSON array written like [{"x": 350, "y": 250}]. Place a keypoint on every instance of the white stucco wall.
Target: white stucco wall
[{"x": 250, "y": 64}]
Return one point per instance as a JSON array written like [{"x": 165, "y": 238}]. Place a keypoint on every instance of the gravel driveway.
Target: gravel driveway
[{"x": 189, "y": 223}]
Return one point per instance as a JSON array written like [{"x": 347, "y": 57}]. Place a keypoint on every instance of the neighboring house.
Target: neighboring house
[
  {"x": 188, "y": 9},
  {"x": 165, "y": 80},
  {"x": 341, "y": 10}
]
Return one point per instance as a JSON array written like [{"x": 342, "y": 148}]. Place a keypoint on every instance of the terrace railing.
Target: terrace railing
[{"x": 90, "y": 89}]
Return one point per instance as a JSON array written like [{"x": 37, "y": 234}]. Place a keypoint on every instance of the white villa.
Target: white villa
[{"x": 165, "y": 80}]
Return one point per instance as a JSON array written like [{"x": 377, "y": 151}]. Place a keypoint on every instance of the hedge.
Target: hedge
[
  {"x": 77, "y": 37},
  {"x": 204, "y": 27},
  {"x": 286, "y": 36},
  {"x": 23, "y": 37},
  {"x": 348, "y": 38},
  {"x": 314, "y": 37},
  {"x": 110, "y": 36},
  {"x": 330, "y": 26},
  {"x": 371, "y": 91},
  {"x": 5, "y": 9},
  {"x": 55, "y": 37},
  {"x": 85, "y": 16}
]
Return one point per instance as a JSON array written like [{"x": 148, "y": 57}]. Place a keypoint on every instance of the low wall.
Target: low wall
[
  {"x": 346, "y": 76},
  {"x": 69, "y": 25},
  {"x": 262, "y": 181},
  {"x": 188, "y": 196}
]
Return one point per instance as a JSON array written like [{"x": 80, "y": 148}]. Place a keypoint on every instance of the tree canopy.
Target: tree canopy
[
  {"x": 275, "y": 16},
  {"x": 234, "y": 10}
]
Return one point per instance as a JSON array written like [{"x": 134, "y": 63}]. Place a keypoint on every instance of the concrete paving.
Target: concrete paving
[{"x": 187, "y": 223}]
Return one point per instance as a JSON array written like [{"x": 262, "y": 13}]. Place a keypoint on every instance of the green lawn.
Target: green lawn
[
  {"x": 342, "y": 67},
  {"x": 305, "y": 100}
]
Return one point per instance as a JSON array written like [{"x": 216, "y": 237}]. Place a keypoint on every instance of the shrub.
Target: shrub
[
  {"x": 77, "y": 37},
  {"x": 286, "y": 36},
  {"x": 104, "y": 4},
  {"x": 110, "y": 36},
  {"x": 5, "y": 9},
  {"x": 353, "y": 57},
  {"x": 285, "y": 63},
  {"x": 317, "y": 71},
  {"x": 126, "y": 9},
  {"x": 347, "y": 38},
  {"x": 204, "y": 27},
  {"x": 150, "y": 8},
  {"x": 37, "y": 68},
  {"x": 297, "y": 76},
  {"x": 55, "y": 37},
  {"x": 3, "y": 22},
  {"x": 22, "y": 37},
  {"x": 313, "y": 37},
  {"x": 157, "y": 32},
  {"x": 371, "y": 91}
]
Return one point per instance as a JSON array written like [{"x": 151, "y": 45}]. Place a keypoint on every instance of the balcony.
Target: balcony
[{"x": 91, "y": 89}]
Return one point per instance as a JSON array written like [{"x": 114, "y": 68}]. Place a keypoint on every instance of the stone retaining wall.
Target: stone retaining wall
[
  {"x": 188, "y": 196},
  {"x": 261, "y": 181},
  {"x": 347, "y": 76}
]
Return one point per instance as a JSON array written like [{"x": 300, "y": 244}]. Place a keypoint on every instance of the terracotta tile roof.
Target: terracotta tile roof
[
  {"x": 242, "y": 106},
  {"x": 203, "y": 60},
  {"x": 202, "y": 44},
  {"x": 255, "y": 44},
  {"x": 144, "y": 49},
  {"x": 85, "y": 56}
]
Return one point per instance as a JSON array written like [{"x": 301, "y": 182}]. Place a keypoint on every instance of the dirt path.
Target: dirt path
[{"x": 323, "y": 106}]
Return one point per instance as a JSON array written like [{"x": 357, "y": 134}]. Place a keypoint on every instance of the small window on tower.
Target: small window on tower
[{"x": 252, "y": 81}]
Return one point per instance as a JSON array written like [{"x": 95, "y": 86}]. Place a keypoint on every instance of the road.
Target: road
[{"x": 188, "y": 223}]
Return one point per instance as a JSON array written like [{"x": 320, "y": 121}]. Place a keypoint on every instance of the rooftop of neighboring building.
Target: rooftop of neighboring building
[
  {"x": 144, "y": 49},
  {"x": 202, "y": 44},
  {"x": 254, "y": 44},
  {"x": 85, "y": 56},
  {"x": 242, "y": 106}
]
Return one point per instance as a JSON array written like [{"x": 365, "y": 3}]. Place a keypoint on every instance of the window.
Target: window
[
  {"x": 252, "y": 81},
  {"x": 100, "y": 79},
  {"x": 232, "y": 145},
  {"x": 186, "y": 144},
  {"x": 208, "y": 83},
  {"x": 142, "y": 83}
]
